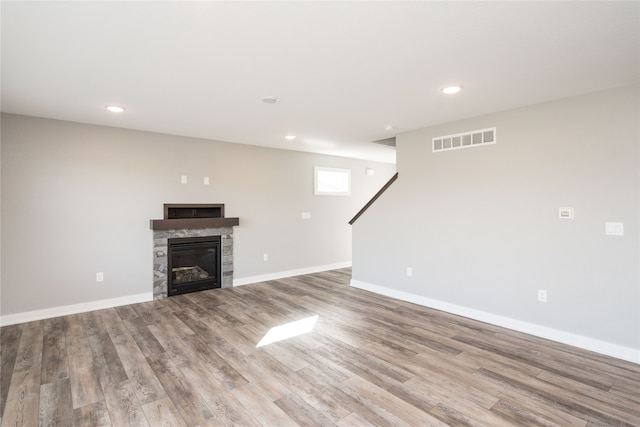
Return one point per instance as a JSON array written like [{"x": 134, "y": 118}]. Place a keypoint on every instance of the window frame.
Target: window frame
[{"x": 316, "y": 181}]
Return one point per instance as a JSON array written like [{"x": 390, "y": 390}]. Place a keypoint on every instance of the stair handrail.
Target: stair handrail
[{"x": 374, "y": 198}]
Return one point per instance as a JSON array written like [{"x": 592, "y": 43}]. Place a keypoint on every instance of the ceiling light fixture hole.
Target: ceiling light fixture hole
[
  {"x": 450, "y": 90},
  {"x": 115, "y": 108}
]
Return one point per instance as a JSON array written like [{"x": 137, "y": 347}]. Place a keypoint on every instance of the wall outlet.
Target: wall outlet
[
  {"x": 305, "y": 215},
  {"x": 100, "y": 277},
  {"x": 542, "y": 295},
  {"x": 265, "y": 257},
  {"x": 183, "y": 179},
  {"x": 206, "y": 180},
  {"x": 409, "y": 271}
]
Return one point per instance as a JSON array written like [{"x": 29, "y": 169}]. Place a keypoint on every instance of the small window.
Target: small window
[{"x": 332, "y": 181}]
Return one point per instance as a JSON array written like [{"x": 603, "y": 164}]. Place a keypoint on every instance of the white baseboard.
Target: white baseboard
[
  {"x": 580, "y": 341},
  {"x": 30, "y": 316},
  {"x": 289, "y": 273}
]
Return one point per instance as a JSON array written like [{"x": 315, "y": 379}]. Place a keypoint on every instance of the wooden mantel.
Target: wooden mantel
[
  {"x": 193, "y": 223},
  {"x": 192, "y": 217}
]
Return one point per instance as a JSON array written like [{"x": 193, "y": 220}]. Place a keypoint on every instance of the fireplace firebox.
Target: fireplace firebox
[{"x": 193, "y": 264}]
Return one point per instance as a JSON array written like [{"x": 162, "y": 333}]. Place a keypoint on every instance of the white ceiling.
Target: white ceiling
[{"x": 343, "y": 70}]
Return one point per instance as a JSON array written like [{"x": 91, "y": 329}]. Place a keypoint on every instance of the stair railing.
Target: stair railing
[{"x": 374, "y": 198}]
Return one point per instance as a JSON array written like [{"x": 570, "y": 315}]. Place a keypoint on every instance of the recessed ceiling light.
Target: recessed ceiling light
[
  {"x": 115, "y": 109},
  {"x": 290, "y": 137},
  {"x": 450, "y": 90},
  {"x": 270, "y": 99}
]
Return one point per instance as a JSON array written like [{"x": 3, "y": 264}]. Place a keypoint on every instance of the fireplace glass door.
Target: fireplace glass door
[{"x": 194, "y": 264}]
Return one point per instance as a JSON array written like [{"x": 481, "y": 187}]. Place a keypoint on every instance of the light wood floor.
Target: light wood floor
[{"x": 192, "y": 360}]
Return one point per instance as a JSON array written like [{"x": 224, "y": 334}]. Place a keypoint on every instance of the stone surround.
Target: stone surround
[{"x": 160, "y": 250}]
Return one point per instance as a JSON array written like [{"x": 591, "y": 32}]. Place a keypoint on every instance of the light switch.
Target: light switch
[
  {"x": 206, "y": 180},
  {"x": 614, "y": 229},
  {"x": 183, "y": 179},
  {"x": 305, "y": 215}
]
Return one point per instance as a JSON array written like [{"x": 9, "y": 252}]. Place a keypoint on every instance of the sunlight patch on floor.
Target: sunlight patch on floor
[{"x": 288, "y": 330}]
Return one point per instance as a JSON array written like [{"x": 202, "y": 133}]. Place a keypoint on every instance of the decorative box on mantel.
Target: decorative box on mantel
[{"x": 191, "y": 221}]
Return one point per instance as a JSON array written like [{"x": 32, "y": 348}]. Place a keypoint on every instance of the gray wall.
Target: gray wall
[
  {"x": 480, "y": 226},
  {"x": 77, "y": 199}
]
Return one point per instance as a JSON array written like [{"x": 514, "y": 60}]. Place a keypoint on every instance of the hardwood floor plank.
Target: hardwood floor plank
[
  {"x": 143, "y": 337},
  {"x": 330, "y": 370},
  {"x": 93, "y": 323},
  {"x": 221, "y": 370},
  {"x": 126, "y": 312},
  {"x": 279, "y": 373},
  {"x": 367, "y": 409},
  {"x": 23, "y": 396},
  {"x": 29, "y": 355},
  {"x": 10, "y": 340},
  {"x": 124, "y": 409},
  {"x": 370, "y": 360},
  {"x": 76, "y": 337},
  {"x": 344, "y": 404},
  {"x": 572, "y": 386},
  {"x": 608, "y": 369},
  {"x": 154, "y": 312},
  {"x": 56, "y": 406},
  {"x": 170, "y": 337},
  {"x": 144, "y": 382},
  {"x": 284, "y": 355},
  {"x": 227, "y": 410},
  {"x": 85, "y": 386},
  {"x": 362, "y": 363},
  {"x": 515, "y": 353},
  {"x": 94, "y": 415},
  {"x": 301, "y": 412},
  {"x": 263, "y": 407},
  {"x": 353, "y": 420},
  {"x": 201, "y": 326},
  {"x": 55, "y": 364},
  {"x": 163, "y": 413},
  {"x": 247, "y": 364},
  {"x": 22, "y": 411},
  {"x": 188, "y": 303},
  {"x": 321, "y": 376},
  {"x": 519, "y": 411},
  {"x": 391, "y": 403},
  {"x": 548, "y": 390},
  {"x": 106, "y": 361},
  {"x": 243, "y": 338},
  {"x": 190, "y": 405},
  {"x": 609, "y": 416}
]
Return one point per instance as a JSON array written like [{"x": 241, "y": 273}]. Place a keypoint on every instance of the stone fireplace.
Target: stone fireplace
[{"x": 191, "y": 224}]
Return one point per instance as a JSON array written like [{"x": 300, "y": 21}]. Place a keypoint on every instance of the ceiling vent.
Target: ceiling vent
[
  {"x": 464, "y": 140},
  {"x": 391, "y": 142}
]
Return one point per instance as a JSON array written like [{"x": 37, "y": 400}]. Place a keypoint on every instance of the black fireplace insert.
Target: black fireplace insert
[{"x": 194, "y": 264}]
